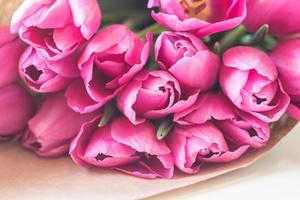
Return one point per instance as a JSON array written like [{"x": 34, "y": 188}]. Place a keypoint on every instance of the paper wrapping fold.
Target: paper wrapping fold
[{"x": 22, "y": 172}]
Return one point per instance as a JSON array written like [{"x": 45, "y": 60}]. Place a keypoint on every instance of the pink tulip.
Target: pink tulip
[
  {"x": 51, "y": 130},
  {"x": 123, "y": 146},
  {"x": 282, "y": 16},
  {"x": 153, "y": 95},
  {"x": 108, "y": 63},
  {"x": 43, "y": 75},
  {"x": 193, "y": 146},
  {"x": 56, "y": 28},
  {"x": 250, "y": 80},
  {"x": 187, "y": 58},
  {"x": 16, "y": 108},
  {"x": 238, "y": 127},
  {"x": 286, "y": 57},
  {"x": 201, "y": 17},
  {"x": 11, "y": 49}
]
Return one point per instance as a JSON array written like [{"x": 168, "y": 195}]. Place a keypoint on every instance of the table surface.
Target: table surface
[{"x": 275, "y": 176}]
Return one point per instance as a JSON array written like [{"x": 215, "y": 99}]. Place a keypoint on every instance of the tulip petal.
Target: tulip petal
[
  {"x": 54, "y": 126},
  {"x": 18, "y": 107},
  {"x": 126, "y": 133},
  {"x": 197, "y": 72},
  {"x": 78, "y": 99},
  {"x": 89, "y": 24}
]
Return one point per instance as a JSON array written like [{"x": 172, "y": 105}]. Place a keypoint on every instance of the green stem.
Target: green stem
[
  {"x": 155, "y": 29},
  {"x": 108, "y": 113},
  {"x": 259, "y": 35},
  {"x": 217, "y": 48},
  {"x": 232, "y": 38},
  {"x": 206, "y": 39},
  {"x": 164, "y": 128},
  {"x": 269, "y": 43}
]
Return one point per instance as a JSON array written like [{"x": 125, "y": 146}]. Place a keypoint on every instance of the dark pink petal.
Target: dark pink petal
[
  {"x": 54, "y": 126},
  {"x": 204, "y": 64},
  {"x": 209, "y": 106},
  {"x": 143, "y": 59},
  {"x": 140, "y": 137},
  {"x": 177, "y": 107},
  {"x": 99, "y": 43},
  {"x": 78, "y": 99},
  {"x": 294, "y": 110},
  {"x": 9, "y": 61},
  {"x": 193, "y": 146},
  {"x": 66, "y": 67},
  {"x": 94, "y": 146},
  {"x": 278, "y": 25},
  {"x": 16, "y": 108},
  {"x": 247, "y": 58},
  {"x": 177, "y": 144},
  {"x": 67, "y": 38},
  {"x": 155, "y": 167},
  {"x": 6, "y": 36},
  {"x": 286, "y": 57},
  {"x": 126, "y": 100}
]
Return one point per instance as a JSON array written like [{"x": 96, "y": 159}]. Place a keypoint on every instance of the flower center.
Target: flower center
[
  {"x": 259, "y": 100},
  {"x": 101, "y": 157},
  {"x": 252, "y": 132},
  {"x": 33, "y": 72},
  {"x": 196, "y": 8}
]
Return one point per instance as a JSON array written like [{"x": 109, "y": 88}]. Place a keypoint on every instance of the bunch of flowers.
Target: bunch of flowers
[{"x": 194, "y": 82}]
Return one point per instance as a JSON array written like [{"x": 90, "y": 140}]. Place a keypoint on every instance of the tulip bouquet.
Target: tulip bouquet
[{"x": 148, "y": 87}]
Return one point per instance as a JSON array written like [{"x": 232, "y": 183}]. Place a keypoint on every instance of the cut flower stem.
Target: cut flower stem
[
  {"x": 164, "y": 128},
  {"x": 109, "y": 112},
  {"x": 155, "y": 29}
]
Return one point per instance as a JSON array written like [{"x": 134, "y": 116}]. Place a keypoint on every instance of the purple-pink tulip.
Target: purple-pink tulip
[
  {"x": 53, "y": 127},
  {"x": 187, "y": 58},
  {"x": 16, "y": 108},
  {"x": 108, "y": 63},
  {"x": 250, "y": 79},
  {"x": 43, "y": 75},
  {"x": 238, "y": 127},
  {"x": 286, "y": 56},
  {"x": 282, "y": 16},
  {"x": 193, "y": 146},
  {"x": 201, "y": 17},
  {"x": 153, "y": 95},
  {"x": 11, "y": 48},
  {"x": 120, "y": 145},
  {"x": 56, "y": 28}
]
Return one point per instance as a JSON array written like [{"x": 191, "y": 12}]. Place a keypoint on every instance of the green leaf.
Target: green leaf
[
  {"x": 232, "y": 38},
  {"x": 155, "y": 29},
  {"x": 260, "y": 35},
  {"x": 164, "y": 128},
  {"x": 217, "y": 48},
  {"x": 108, "y": 113}
]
